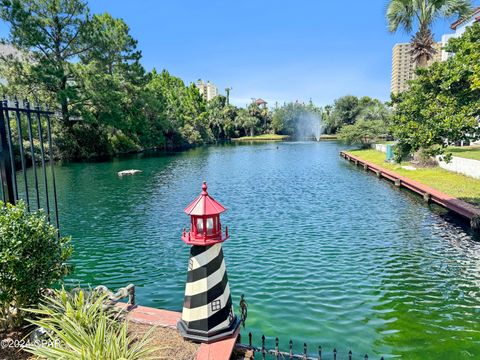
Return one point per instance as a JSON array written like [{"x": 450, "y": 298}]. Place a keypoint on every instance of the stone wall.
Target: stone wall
[{"x": 380, "y": 147}]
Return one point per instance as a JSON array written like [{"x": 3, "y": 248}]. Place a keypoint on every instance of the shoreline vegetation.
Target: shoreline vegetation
[
  {"x": 108, "y": 104},
  {"x": 263, "y": 137},
  {"x": 276, "y": 137},
  {"x": 450, "y": 183}
]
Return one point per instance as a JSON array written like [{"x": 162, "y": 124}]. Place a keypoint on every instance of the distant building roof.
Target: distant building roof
[
  {"x": 260, "y": 101},
  {"x": 466, "y": 18}
]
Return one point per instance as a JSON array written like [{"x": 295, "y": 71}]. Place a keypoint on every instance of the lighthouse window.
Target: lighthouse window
[
  {"x": 209, "y": 226},
  {"x": 200, "y": 226},
  {"x": 216, "y": 305}
]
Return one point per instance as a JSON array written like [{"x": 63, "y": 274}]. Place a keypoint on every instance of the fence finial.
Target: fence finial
[{"x": 244, "y": 310}]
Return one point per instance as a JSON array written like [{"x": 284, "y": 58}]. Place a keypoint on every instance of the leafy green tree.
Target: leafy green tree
[
  {"x": 363, "y": 132},
  {"x": 349, "y": 109},
  {"x": 442, "y": 106},
  {"x": 220, "y": 117},
  {"x": 53, "y": 34},
  {"x": 345, "y": 112},
  {"x": 111, "y": 80},
  {"x": 375, "y": 110},
  {"x": 422, "y": 13},
  {"x": 185, "y": 120},
  {"x": 247, "y": 122}
]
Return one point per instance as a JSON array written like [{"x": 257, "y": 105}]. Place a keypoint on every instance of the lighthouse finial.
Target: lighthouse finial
[{"x": 204, "y": 188}]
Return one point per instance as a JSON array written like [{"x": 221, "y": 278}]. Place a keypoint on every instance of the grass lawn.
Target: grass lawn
[
  {"x": 469, "y": 152},
  {"x": 328, "y": 137},
  {"x": 456, "y": 185},
  {"x": 263, "y": 137}
]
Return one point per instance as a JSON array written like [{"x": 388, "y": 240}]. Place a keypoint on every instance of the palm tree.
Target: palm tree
[{"x": 422, "y": 13}]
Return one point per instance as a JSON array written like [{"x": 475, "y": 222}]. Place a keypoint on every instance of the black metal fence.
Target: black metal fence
[
  {"x": 266, "y": 352},
  {"x": 26, "y": 153}
]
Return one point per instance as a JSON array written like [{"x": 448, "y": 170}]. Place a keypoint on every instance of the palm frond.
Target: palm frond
[
  {"x": 400, "y": 14},
  {"x": 455, "y": 7}
]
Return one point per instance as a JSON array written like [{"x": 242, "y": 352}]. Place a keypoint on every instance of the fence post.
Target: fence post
[
  {"x": 263, "y": 347},
  {"x": 276, "y": 348},
  {"x": 5, "y": 160}
]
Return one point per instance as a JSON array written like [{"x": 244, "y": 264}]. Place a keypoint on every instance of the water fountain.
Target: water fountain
[{"x": 309, "y": 126}]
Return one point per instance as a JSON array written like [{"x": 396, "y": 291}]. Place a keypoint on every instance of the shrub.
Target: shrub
[
  {"x": 32, "y": 258},
  {"x": 363, "y": 132},
  {"x": 122, "y": 144},
  {"x": 82, "y": 325}
]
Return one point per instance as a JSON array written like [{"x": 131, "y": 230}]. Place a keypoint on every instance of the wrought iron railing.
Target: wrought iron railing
[
  {"x": 17, "y": 141},
  {"x": 275, "y": 353},
  {"x": 249, "y": 350}
]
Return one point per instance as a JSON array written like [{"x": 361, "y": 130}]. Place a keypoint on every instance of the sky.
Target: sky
[{"x": 280, "y": 50}]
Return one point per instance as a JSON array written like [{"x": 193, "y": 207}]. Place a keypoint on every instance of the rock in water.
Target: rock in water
[{"x": 128, "y": 172}]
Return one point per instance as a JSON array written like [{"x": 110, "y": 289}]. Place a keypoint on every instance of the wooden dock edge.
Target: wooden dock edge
[{"x": 460, "y": 207}]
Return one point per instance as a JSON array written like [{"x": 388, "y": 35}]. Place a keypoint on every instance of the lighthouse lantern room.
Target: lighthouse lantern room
[{"x": 205, "y": 227}]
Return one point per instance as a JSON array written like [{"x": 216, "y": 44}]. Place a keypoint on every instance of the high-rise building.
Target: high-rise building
[
  {"x": 403, "y": 66},
  {"x": 208, "y": 90},
  {"x": 459, "y": 27}
]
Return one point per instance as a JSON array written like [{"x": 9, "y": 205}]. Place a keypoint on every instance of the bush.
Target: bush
[
  {"x": 122, "y": 144},
  {"x": 363, "y": 132},
  {"x": 32, "y": 258},
  {"x": 82, "y": 325}
]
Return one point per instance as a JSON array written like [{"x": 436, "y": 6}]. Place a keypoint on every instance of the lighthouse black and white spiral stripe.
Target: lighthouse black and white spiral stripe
[{"x": 207, "y": 308}]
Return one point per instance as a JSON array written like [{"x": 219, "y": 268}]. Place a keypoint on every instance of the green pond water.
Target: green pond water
[{"x": 324, "y": 253}]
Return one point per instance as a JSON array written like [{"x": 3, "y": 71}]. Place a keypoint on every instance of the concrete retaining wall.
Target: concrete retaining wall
[
  {"x": 468, "y": 167},
  {"x": 380, "y": 147}
]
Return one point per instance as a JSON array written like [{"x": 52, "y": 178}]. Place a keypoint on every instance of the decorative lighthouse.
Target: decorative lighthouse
[{"x": 207, "y": 314}]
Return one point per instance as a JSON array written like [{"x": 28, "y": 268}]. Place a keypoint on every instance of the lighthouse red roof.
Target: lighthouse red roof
[{"x": 204, "y": 204}]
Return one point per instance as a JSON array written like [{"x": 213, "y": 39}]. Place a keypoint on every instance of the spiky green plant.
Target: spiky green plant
[{"x": 80, "y": 326}]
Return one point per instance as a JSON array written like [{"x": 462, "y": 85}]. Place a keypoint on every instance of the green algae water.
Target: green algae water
[{"x": 324, "y": 253}]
